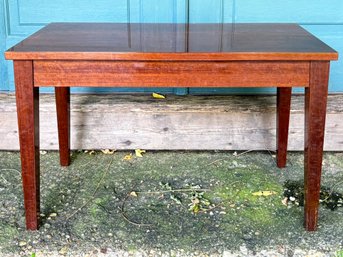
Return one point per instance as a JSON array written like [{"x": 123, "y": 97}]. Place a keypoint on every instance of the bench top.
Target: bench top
[{"x": 168, "y": 42}]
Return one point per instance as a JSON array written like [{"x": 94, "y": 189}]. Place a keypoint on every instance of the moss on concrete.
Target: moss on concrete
[{"x": 155, "y": 219}]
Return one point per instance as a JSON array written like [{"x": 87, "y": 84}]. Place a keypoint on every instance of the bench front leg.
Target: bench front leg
[
  {"x": 27, "y": 98},
  {"x": 315, "y": 112}
]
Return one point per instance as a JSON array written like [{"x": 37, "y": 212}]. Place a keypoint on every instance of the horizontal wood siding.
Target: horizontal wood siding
[{"x": 188, "y": 122}]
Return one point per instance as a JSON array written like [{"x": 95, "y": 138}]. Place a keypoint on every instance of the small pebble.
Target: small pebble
[
  {"x": 22, "y": 243},
  {"x": 244, "y": 250},
  {"x": 247, "y": 237}
]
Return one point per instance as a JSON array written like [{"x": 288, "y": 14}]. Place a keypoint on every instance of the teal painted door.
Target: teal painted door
[
  {"x": 19, "y": 19},
  {"x": 4, "y": 85},
  {"x": 322, "y": 18},
  {"x": 22, "y": 18}
]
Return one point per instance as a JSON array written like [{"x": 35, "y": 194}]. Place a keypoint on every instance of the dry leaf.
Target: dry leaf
[
  {"x": 158, "y": 96},
  {"x": 139, "y": 152},
  {"x": 264, "y": 193},
  {"x": 91, "y": 152},
  {"x": 127, "y": 157},
  {"x": 285, "y": 201},
  {"x": 134, "y": 194},
  {"x": 108, "y": 151},
  {"x": 64, "y": 250}
]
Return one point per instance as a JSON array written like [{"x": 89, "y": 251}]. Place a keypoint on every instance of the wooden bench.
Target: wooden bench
[{"x": 65, "y": 55}]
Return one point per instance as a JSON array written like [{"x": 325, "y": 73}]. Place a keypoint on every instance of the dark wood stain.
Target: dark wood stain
[
  {"x": 63, "y": 122},
  {"x": 28, "y": 122},
  {"x": 171, "y": 73},
  {"x": 282, "y": 124},
  {"x": 108, "y": 41},
  {"x": 260, "y": 55},
  {"x": 315, "y": 113}
]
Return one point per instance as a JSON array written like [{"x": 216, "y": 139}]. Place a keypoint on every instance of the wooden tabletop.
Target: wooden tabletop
[{"x": 212, "y": 42}]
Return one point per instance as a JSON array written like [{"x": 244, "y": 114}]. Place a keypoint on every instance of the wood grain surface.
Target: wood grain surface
[
  {"x": 107, "y": 55},
  {"x": 230, "y": 122},
  {"x": 62, "y": 95},
  {"x": 315, "y": 116},
  {"x": 118, "y": 41},
  {"x": 284, "y": 96},
  {"x": 28, "y": 122},
  {"x": 171, "y": 73}
]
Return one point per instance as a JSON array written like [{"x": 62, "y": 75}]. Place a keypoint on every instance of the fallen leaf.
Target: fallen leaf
[
  {"x": 158, "y": 96},
  {"x": 108, "y": 151},
  {"x": 285, "y": 201},
  {"x": 91, "y": 152},
  {"x": 127, "y": 157},
  {"x": 264, "y": 193},
  {"x": 134, "y": 194},
  {"x": 139, "y": 152},
  {"x": 63, "y": 251}
]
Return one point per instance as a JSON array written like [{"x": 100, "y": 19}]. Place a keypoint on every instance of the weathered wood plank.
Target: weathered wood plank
[{"x": 189, "y": 122}]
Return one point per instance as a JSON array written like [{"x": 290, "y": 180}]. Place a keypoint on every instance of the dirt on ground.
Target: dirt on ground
[{"x": 170, "y": 204}]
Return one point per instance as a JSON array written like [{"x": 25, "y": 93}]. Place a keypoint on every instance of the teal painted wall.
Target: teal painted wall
[
  {"x": 3, "y": 67},
  {"x": 19, "y": 19}
]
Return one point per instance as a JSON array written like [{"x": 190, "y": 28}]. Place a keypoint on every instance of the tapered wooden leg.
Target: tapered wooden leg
[
  {"x": 27, "y": 98},
  {"x": 284, "y": 95},
  {"x": 63, "y": 121},
  {"x": 315, "y": 112}
]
